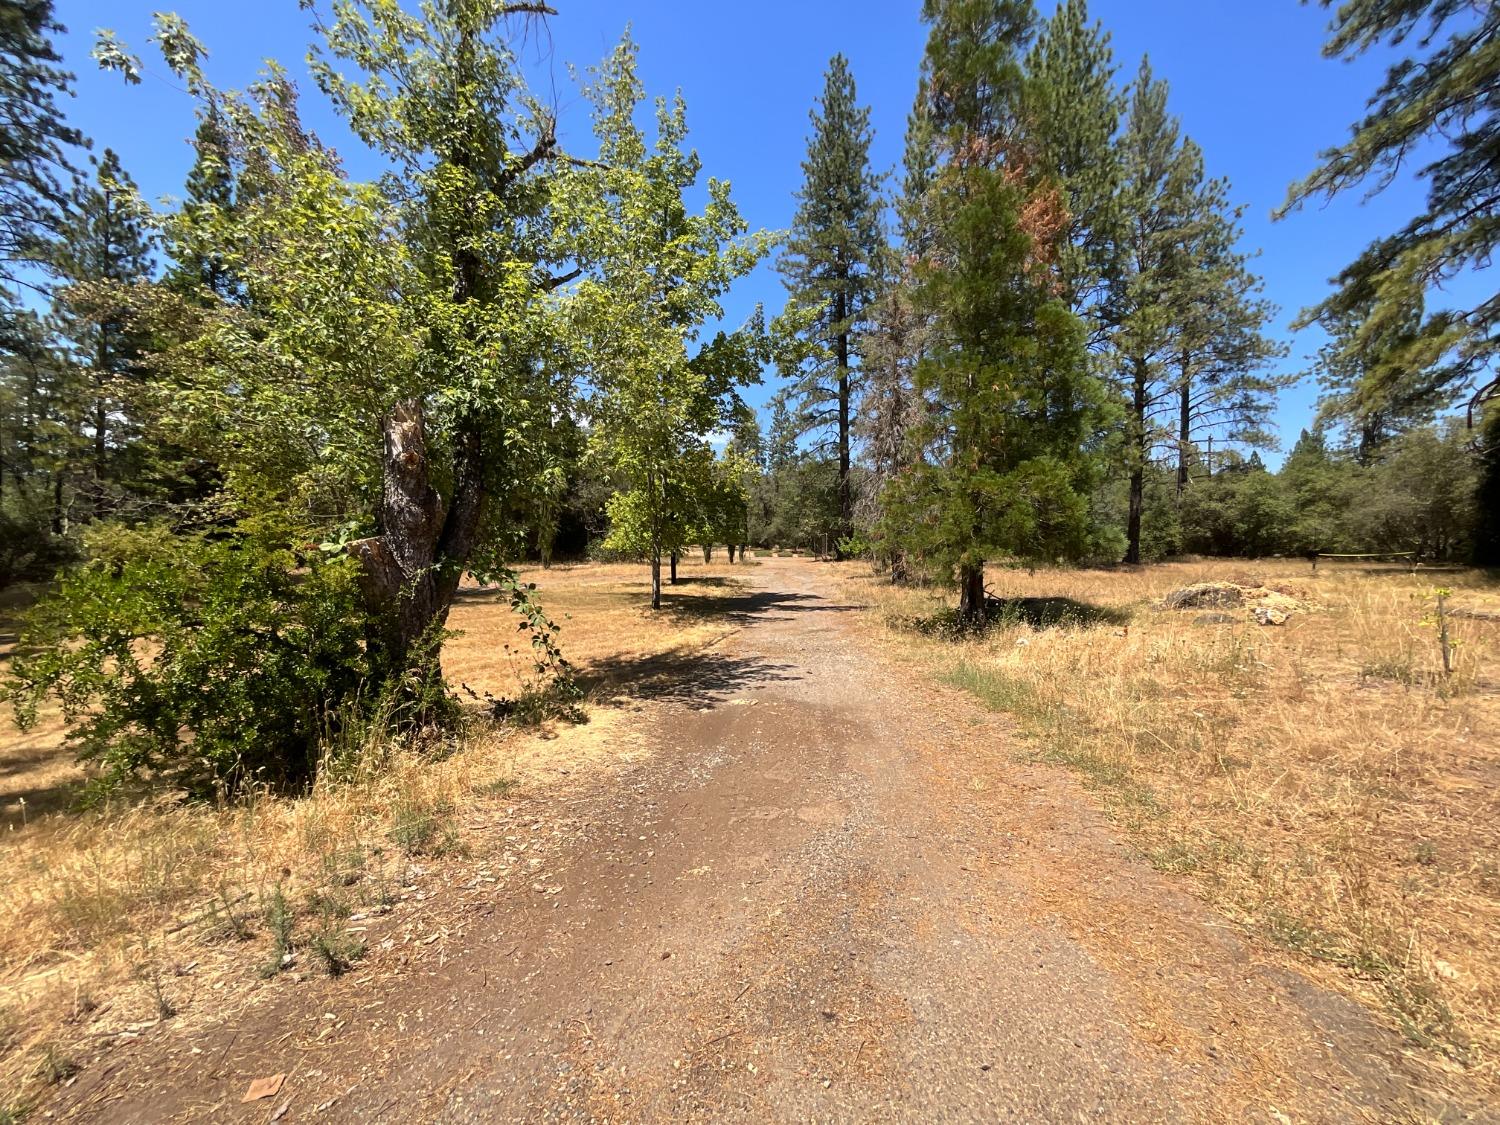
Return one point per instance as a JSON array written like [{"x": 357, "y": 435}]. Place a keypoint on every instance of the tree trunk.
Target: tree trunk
[
  {"x": 656, "y": 578},
  {"x": 708, "y": 552},
  {"x": 730, "y": 548},
  {"x": 846, "y": 492},
  {"x": 1138, "y": 449},
  {"x": 412, "y": 568},
  {"x": 59, "y": 521},
  {"x": 971, "y": 608},
  {"x": 900, "y": 568},
  {"x": 674, "y": 568},
  {"x": 1184, "y": 428}
]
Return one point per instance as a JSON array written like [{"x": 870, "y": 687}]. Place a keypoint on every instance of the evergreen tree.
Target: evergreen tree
[
  {"x": 1161, "y": 174},
  {"x": 34, "y": 143},
  {"x": 1073, "y": 112},
  {"x": 1008, "y": 398},
  {"x": 1221, "y": 349},
  {"x": 1189, "y": 326},
  {"x": 896, "y": 341},
  {"x": 1372, "y": 407},
  {"x": 102, "y": 254},
  {"x": 832, "y": 263},
  {"x": 1441, "y": 94},
  {"x": 200, "y": 269}
]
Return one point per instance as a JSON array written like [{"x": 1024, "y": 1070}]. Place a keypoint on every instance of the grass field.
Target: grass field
[
  {"x": 1323, "y": 782},
  {"x": 109, "y": 907}
]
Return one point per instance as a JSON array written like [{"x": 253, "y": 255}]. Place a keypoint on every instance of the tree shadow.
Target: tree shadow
[
  {"x": 681, "y": 675},
  {"x": 1037, "y": 613},
  {"x": 65, "y": 796},
  {"x": 742, "y": 609}
]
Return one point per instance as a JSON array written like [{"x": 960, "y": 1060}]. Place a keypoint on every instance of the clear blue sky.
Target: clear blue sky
[{"x": 1247, "y": 79}]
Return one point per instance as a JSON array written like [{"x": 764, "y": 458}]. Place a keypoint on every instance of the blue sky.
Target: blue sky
[{"x": 1247, "y": 79}]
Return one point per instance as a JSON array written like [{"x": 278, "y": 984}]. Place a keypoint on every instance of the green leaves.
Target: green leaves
[{"x": 656, "y": 274}]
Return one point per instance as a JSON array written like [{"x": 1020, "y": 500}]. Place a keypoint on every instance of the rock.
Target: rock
[
  {"x": 1206, "y": 595},
  {"x": 1215, "y": 619},
  {"x": 1270, "y": 615}
]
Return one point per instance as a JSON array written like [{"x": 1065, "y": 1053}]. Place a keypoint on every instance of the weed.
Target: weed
[
  {"x": 54, "y": 1065},
  {"x": 150, "y": 973},
  {"x": 423, "y": 828},
  {"x": 499, "y": 787},
  {"x": 335, "y": 949},
  {"x": 280, "y": 920}
]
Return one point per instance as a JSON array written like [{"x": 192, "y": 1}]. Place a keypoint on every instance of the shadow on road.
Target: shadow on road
[
  {"x": 742, "y": 609},
  {"x": 682, "y": 675}
]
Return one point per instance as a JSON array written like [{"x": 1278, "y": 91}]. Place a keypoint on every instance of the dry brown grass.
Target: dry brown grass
[
  {"x": 116, "y": 915},
  {"x": 1321, "y": 782}
]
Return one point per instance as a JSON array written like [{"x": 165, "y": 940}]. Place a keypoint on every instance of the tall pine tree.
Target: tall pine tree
[
  {"x": 103, "y": 252},
  {"x": 1008, "y": 399},
  {"x": 1441, "y": 94},
  {"x": 1160, "y": 176},
  {"x": 1073, "y": 109},
  {"x": 34, "y": 143},
  {"x": 832, "y": 263},
  {"x": 1221, "y": 351}
]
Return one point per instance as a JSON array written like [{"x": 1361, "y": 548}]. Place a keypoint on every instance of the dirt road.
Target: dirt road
[{"x": 818, "y": 892}]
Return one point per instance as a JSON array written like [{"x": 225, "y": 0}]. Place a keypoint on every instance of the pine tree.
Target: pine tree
[
  {"x": 897, "y": 341},
  {"x": 1161, "y": 174},
  {"x": 832, "y": 263},
  {"x": 200, "y": 270},
  {"x": 1221, "y": 350},
  {"x": 1372, "y": 407},
  {"x": 102, "y": 253},
  {"x": 1073, "y": 110},
  {"x": 1445, "y": 95},
  {"x": 1008, "y": 399},
  {"x": 1441, "y": 94},
  {"x": 34, "y": 144},
  {"x": 1188, "y": 322}
]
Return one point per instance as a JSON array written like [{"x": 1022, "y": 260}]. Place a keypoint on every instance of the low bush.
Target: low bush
[{"x": 214, "y": 663}]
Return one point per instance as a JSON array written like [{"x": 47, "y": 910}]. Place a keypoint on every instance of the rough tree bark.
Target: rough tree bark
[
  {"x": 1138, "y": 444},
  {"x": 846, "y": 492},
  {"x": 971, "y": 607},
  {"x": 412, "y": 568},
  {"x": 1184, "y": 427}
]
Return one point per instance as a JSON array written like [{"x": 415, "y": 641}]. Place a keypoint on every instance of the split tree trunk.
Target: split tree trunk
[
  {"x": 674, "y": 568},
  {"x": 656, "y": 578},
  {"x": 708, "y": 552},
  {"x": 412, "y": 568}
]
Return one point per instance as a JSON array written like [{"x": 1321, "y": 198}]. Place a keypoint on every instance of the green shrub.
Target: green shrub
[
  {"x": 29, "y": 552},
  {"x": 215, "y": 663}
]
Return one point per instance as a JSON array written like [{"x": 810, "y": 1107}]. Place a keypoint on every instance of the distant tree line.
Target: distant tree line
[{"x": 1059, "y": 350}]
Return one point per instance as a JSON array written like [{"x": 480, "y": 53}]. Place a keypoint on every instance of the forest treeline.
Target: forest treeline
[{"x": 259, "y": 436}]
